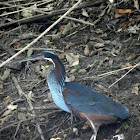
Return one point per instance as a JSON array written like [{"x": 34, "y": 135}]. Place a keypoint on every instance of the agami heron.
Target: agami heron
[{"x": 80, "y": 100}]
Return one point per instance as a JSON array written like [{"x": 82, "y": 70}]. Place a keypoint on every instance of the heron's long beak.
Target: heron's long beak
[{"x": 31, "y": 58}]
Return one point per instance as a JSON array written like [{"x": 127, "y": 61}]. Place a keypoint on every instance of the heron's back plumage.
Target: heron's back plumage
[{"x": 86, "y": 100}]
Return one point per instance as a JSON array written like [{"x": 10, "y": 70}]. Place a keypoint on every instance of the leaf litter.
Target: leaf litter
[{"x": 86, "y": 51}]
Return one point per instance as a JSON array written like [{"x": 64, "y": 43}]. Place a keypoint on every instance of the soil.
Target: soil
[{"x": 111, "y": 44}]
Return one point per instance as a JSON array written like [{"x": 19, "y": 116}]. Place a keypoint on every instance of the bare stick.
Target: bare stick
[
  {"x": 20, "y": 91},
  {"x": 43, "y": 49},
  {"x": 46, "y": 31},
  {"x": 79, "y": 20},
  {"x": 115, "y": 71},
  {"x": 124, "y": 75}
]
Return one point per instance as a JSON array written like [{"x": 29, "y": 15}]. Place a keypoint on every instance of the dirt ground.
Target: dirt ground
[{"x": 111, "y": 42}]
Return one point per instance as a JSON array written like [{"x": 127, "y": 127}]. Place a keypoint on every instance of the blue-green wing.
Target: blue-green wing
[{"x": 84, "y": 99}]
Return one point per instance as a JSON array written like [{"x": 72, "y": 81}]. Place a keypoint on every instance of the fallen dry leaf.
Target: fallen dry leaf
[
  {"x": 55, "y": 138},
  {"x": 70, "y": 45},
  {"x": 44, "y": 70},
  {"x": 37, "y": 68},
  {"x": 72, "y": 59},
  {"x": 62, "y": 29},
  {"x": 136, "y": 4},
  {"x": 73, "y": 70},
  {"x": 62, "y": 56},
  {"x": 111, "y": 62},
  {"x": 121, "y": 11},
  {"x": 46, "y": 100},
  {"x": 133, "y": 22},
  {"x": 66, "y": 28},
  {"x": 29, "y": 52},
  {"x": 75, "y": 130},
  {"x": 30, "y": 95},
  {"x": 82, "y": 71},
  {"x": 128, "y": 65},
  {"x": 1, "y": 86},
  {"x": 135, "y": 89},
  {"x": 85, "y": 127},
  {"x": 3, "y": 119},
  {"x": 50, "y": 97},
  {"x": 21, "y": 116},
  {"x": 99, "y": 45},
  {"x": 70, "y": 79},
  {"x": 6, "y": 74},
  {"x": 132, "y": 56},
  {"x": 6, "y": 113},
  {"x": 12, "y": 107},
  {"x": 7, "y": 98},
  {"x": 17, "y": 45},
  {"x": 118, "y": 16},
  {"x": 86, "y": 51},
  {"x": 125, "y": 25},
  {"x": 133, "y": 29},
  {"x": 84, "y": 13},
  {"x": 7, "y": 101}
]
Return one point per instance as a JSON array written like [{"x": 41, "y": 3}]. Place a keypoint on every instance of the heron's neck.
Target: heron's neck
[
  {"x": 57, "y": 74},
  {"x": 56, "y": 83}
]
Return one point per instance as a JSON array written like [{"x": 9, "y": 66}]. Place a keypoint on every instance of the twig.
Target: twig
[
  {"x": 109, "y": 73},
  {"x": 17, "y": 129},
  {"x": 44, "y": 49},
  {"x": 46, "y": 31},
  {"x": 20, "y": 91},
  {"x": 115, "y": 71},
  {"x": 124, "y": 75},
  {"x": 79, "y": 20},
  {"x": 72, "y": 34},
  {"x": 48, "y": 107}
]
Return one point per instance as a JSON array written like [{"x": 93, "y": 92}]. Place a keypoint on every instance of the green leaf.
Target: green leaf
[
  {"x": 29, "y": 52},
  {"x": 126, "y": 127},
  {"x": 5, "y": 74},
  {"x": 47, "y": 66},
  {"x": 118, "y": 130},
  {"x": 26, "y": 15},
  {"x": 77, "y": 66}
]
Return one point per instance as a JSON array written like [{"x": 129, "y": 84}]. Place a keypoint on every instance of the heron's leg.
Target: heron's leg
[
  {"x": 93, "y": 137},
  {"x": 71, "y": 118},
  {"x": 94, "y": 128},
  {"x": 71, "y": 121},
  {"x": 71, "y": 115}
]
